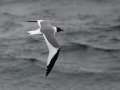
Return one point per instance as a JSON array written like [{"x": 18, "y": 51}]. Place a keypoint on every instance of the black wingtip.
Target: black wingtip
[
  {"x": 47, "y": 72},
  {"x": 46, "y": 75},
  {"x": 51, "y": 65},
  {"x": 31, "y": 21}
]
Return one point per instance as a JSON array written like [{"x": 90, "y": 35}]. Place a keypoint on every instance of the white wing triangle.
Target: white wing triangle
[
  {"x": 34, "y": 32},
  {"x": 52, "y": 50}
]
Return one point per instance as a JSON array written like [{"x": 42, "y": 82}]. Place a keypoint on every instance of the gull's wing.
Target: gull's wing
[
  {"x": 52, "y": 62},
  {"x": 33, "y": 32},
  {"x": 53, "y": 49}
]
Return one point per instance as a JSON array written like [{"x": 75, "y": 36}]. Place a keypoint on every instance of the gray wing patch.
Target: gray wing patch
[{"x": 49, "y": 33}]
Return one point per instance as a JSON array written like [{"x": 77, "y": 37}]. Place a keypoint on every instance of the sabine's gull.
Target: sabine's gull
[{"x": 48, "y": 31}]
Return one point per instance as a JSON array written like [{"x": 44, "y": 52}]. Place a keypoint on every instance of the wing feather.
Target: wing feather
[
  {"x": 53, "y": 47},
  {"x": 52, "y": 50},
  {"x": 52, "y": 62}
]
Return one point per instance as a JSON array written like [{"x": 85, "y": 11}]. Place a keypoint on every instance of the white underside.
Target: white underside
[{"x": 52, "y": 50}]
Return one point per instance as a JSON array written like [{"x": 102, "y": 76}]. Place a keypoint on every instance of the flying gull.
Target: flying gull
[{"x": 48, "y": 31}]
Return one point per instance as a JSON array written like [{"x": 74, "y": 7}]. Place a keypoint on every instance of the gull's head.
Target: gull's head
[{"x": 58, "y": 29}]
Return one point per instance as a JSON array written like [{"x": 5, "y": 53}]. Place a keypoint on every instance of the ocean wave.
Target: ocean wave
[
  {"x": 115, "y": 27},
  {"x": 81, "y": 46}
]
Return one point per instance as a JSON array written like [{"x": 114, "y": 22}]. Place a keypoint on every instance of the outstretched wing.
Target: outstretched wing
[
  {"x": 53, "y": 49},
  {"x": 52, "y": 62}
]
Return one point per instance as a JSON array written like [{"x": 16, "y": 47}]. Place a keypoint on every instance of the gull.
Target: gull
[{"x": 48, "y": 31}]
